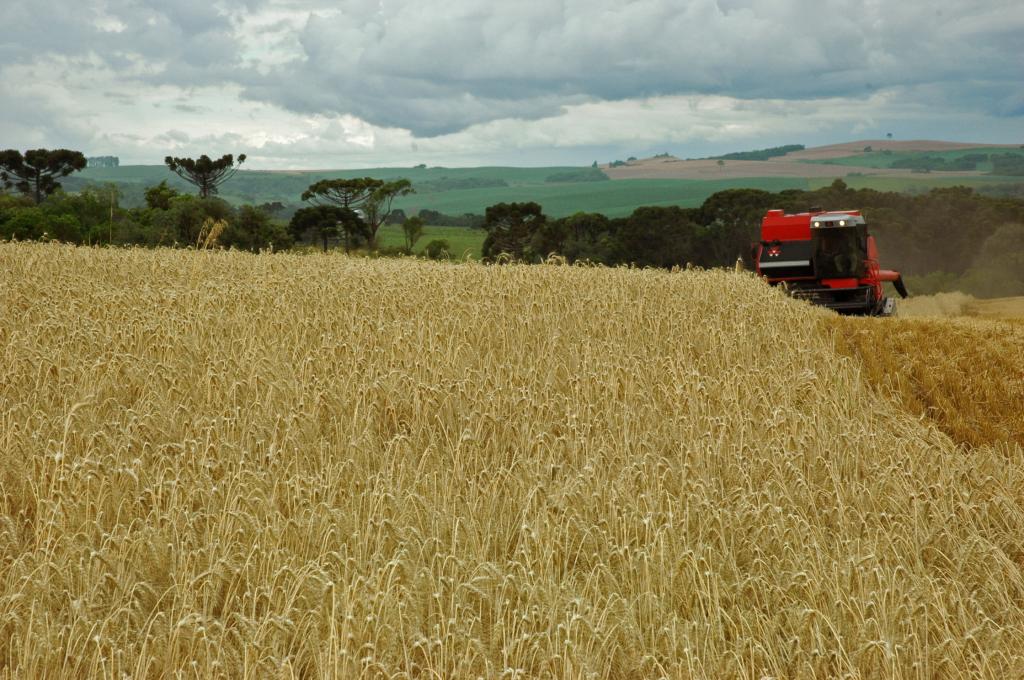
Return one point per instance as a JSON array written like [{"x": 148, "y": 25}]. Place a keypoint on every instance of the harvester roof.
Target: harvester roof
[
  {"x": 833, "y": 219},
  {"x": 777, "y": 225}
]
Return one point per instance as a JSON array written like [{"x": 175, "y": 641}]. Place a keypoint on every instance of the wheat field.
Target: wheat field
[
  {"x": 964, "y": 375},
  {"x": 281, "y": 466}
]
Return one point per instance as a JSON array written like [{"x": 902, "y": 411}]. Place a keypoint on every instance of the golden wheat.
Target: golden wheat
[
  {"x": 209, "y": 232},
  {"x": 964, "y": 375},
  {"x": 941, "y": 304},
  {"x": 226, "y": 465},
  {"x": 1007, "y": 309}
]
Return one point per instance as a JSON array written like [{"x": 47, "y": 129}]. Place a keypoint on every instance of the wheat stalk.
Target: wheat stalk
[{"x": 335, "y": 467}]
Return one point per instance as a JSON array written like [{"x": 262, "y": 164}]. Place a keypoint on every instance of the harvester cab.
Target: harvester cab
[
  {"x": 827, "y": 258},
  {"x": 839, "y": 246}
]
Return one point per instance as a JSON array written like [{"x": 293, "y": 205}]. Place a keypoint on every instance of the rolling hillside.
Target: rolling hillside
[
  {"x": 567, "y": 190},
  {"x": 869, "y": 158},
  {"x": 451, "y": 191}
]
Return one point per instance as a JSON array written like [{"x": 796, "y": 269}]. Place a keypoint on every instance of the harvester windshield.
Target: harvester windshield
[{"x": 839, "y": 250}]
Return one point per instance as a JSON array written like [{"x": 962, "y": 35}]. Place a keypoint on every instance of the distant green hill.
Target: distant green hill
[
  {"x": 453, "y": 191},
  {"x": 456, "y": 191},
  {"x": 983, "y": 184},
  {"x": 614, "y": 199},
  {"x": 255, "y": 186},
  {"x": 947, "y": 160},
  {"x": 760, "y": 154}
]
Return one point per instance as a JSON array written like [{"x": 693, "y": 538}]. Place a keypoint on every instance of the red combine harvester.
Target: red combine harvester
[{"x": 826, "y": 258}]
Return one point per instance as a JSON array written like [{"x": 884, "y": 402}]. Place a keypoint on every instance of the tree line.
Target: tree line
[
  {"x": 1009, "y": 164},
  {"x": 33, "y": 207},
  {"x": 946, "y": 238}
]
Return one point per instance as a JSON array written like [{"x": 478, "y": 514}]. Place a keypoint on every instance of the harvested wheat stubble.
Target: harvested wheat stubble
[
  {"x": 964, "y": 375},
  {"x": 1008, "y": 309},
  {"x": 218, "y": 464},
  {"x": 940, "y": 304}
]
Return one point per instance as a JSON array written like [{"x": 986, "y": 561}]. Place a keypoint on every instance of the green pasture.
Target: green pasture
[
  {"x": 258, "y": 186},
  {"x": 916, "y": 185},
  {"x": 461, "y": 240},
  {"x": 614, "y": 199},
  {"x": 885, "y": 159}
]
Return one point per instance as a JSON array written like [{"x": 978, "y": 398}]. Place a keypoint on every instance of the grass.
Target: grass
[
  {"x": 226, "y": 465},
  {"x": 925, "y": 182},
  {"x": 613, "y": 198},
  {"x": 462, "y": 240},
  {"x": 287, "y": 186},
  {"x": 155, "y": 173}
]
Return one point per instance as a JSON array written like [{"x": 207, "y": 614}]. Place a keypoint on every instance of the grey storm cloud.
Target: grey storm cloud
[
  {"x": 162, "y": 37},
  {"x": 410, "y": 65},
  {"x": 433, "y": 69}
]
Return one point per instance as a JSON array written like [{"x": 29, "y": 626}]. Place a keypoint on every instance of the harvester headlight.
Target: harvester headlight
[
  {"x": 842, "y": 223},
  {"x": 817, "y": 224}
]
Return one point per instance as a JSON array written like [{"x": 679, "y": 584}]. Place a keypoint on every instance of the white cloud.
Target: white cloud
[
  {"x": 408, "y": 64},
  {"x": 366, "y": 82}
]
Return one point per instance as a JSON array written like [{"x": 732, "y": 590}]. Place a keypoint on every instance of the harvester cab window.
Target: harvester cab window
[{"x": 839, "y": 252}]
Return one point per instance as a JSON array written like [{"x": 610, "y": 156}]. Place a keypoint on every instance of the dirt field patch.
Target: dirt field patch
[
  {"x": 662, "y": 168},
  {"x": 853, "y": 148}
]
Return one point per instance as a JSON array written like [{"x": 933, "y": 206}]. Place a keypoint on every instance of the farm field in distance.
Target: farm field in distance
[
  {"x": 220, "y": 464},
  {"x": 463, "y": 241},
  {"x": 884, "y": 158},
  {"x": 566, "y": 190},
  {"x": 957, "y": 305},
  {"x": 921, "y": 183},
  {"x": 614, "y": 199}
]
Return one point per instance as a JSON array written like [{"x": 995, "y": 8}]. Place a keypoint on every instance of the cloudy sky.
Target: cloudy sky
[{"x": 357, "y": 83}]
